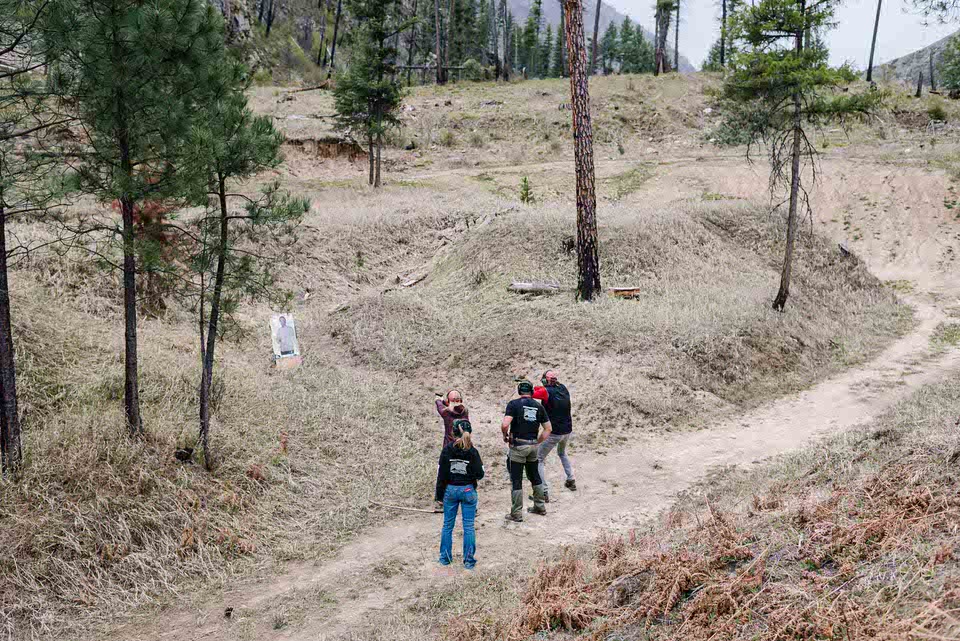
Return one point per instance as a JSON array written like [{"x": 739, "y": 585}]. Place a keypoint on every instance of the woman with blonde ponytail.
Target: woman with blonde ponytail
[{"x": 460, "y": 469}]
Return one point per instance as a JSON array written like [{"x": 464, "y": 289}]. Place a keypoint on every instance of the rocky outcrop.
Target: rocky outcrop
[{"x": 907, "y": 68}]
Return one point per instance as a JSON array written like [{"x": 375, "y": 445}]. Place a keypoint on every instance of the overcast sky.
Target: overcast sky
[{"x": 900, "y": 30}]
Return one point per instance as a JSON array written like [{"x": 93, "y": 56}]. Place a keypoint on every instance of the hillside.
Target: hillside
[
  {"x": 907, "y": 68},
  {"x": 551, "y": 11},
  {"x": 402, "y": 292}
]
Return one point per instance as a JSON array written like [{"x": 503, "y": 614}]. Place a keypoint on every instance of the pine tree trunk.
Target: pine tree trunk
[
  {"x": 451, "y": 8},
  {"x": 10, "y": 448},
  {"x": 873, "y": 42},
  {"x": 269, "y": 17},
  {"x": 376, "y": 182},
  {"x": 436, "y": 14},
  {"x": 413, "y": 44},
  {"x": 370, "y": 157},
  {"x": 495, "y": 29},
  {"x": 206, "y": 376},
  {"x": 323, "y": 5},
  {"x": 596, "y": 34},
  {"x": 588, "y": 251},
  {"x": 723, "y": 34},
  {"x": 131, "y": 390},
  {"x": 919, "y": 85},
  {"x": 676, "y": 41},
  {"x": 933, "y": 82},
  {"x": 781, "y": 300},
  {"x": 333, "y": 44}
]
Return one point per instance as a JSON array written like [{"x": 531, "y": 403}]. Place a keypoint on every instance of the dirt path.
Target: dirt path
[{"x": 389, "y": 567}]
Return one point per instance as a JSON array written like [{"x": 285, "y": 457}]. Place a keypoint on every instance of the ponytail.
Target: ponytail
[{"x": 465, "y": 442}]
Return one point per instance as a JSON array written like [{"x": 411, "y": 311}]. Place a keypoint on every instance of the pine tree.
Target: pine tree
[
  {"x": 609, "y": 47},
  {"x": 25, "y": 115},
  {"x": 229, "y": 144},
  {"x": 626, "y": 41},
  {"x": 556, "y": 68},
  {"x": 777, "y": 88},
  {"x": 645, "y": 55},
  {"x": 546, "y": 48},
  {"x": 367, "y": 97},
  {"x": 134, "y": 71}
]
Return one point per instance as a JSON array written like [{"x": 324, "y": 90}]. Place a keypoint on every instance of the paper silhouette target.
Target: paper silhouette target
[{"x": 283, "y": 327}]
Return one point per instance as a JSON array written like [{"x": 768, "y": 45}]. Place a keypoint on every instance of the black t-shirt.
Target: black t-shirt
[
  {"x": 527, "y": 415},
  {"x": 459, "y": 466},
  {"x": 558, "y": 409}
]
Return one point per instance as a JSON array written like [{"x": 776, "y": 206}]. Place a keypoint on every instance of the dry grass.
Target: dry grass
[
  {"x": 99, "y": 525},
  {"x": 855, "y": 538},
  {"x": 695, "y": 344}
]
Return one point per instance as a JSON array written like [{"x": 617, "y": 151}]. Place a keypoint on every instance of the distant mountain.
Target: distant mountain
[
  {"x": 551, "y": 13},
  {"x": 907, "y": 68}
]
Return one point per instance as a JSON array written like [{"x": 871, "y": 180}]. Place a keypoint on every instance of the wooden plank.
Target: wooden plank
[{"x": 626, "y": 292}]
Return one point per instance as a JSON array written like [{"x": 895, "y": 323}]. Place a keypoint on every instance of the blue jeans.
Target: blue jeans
[{"x": 453, "y": 498}]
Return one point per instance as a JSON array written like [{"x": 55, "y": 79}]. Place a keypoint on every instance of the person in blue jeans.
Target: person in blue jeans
[{"x": 460, "y": 469}]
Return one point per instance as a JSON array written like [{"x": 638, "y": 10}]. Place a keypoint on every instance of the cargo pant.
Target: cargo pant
[
  {"x": 560, "y": 442},
  {"x": 523, "y": 456}
]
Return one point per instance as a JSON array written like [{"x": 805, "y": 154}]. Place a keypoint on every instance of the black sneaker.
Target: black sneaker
[
  {"x": 571, "y": 485},
  {"x": 542, "y": 511},
  {"x": 515, "y": 519},
  {"x": 546, "y": 497}
]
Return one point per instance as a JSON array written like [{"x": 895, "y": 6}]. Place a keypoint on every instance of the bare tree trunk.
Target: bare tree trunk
[
  {"x": 596, "y": 34},
  {"x": 376, "y": 181},
  {"x": 131, "y": 393},
  {"x": 333, "y": 44},
  {"x": 323, "y": 6},
  {"x": 588, "y": 251},
  {"x": 10, "y": 448},
  {"x": 370, "y": 157},
  {"x": 413, "y": 43},
  {"x": 206, "y": 376},
  {"x": 495, "y": 30},
  {"x": 676, "y": 41},
  {"x": 919, "y": 85},
  {"x": 781, "y": 300},
  {"x": 933, "y": 82},
  {"x": 723, "y": 34},
  {"x": 563, "y": 29},
  {"x": 269, "y": 17},
  {"x": 873, "y": 42},
  {"x": 663, "y": 28},
  {"x": 451, "y": 8},
  {"x": 436, "y": 13}
]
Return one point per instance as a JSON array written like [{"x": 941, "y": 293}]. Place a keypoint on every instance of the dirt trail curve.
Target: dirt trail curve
[{"x": 620, "y": 490}]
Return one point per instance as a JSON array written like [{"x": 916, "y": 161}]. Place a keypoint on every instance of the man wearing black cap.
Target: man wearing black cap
[{"x": 521, "y": 427}]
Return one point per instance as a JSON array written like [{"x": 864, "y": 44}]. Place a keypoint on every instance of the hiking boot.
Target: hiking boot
[
  {"x": 515, "y": 519},
  {"x": 542, "y": 511},
  {"x": 438, "y": 507},
  {"x": 546, "y": 497},
  {"x": 571, "y": 485}
]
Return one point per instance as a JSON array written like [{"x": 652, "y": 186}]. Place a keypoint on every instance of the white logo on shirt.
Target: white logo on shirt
[
  {"x": 458, "y": 467},
  {"x": 530, "y": 414}
]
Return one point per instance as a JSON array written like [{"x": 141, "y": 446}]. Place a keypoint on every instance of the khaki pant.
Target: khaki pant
[{"x": 525, "y": 457}]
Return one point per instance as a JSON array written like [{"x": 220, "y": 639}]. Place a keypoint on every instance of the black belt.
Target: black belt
[{"x": 523, "y": 441}]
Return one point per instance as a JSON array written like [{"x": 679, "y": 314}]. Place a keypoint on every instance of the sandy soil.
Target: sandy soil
[{"x": 891, "y": 214}]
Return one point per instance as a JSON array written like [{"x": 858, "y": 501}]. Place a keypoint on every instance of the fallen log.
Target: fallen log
[{"x": 533, "y": 288}]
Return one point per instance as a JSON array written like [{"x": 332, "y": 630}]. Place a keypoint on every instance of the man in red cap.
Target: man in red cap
[{"x": 557, "y": 406}]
